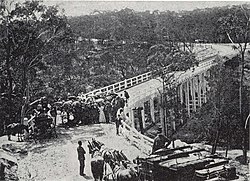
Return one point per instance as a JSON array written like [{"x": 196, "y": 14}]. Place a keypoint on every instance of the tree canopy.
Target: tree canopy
[{"x": 42, "y": 52}]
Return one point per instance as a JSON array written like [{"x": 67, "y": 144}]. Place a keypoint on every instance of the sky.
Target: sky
[{"x": 83, "y": 7}]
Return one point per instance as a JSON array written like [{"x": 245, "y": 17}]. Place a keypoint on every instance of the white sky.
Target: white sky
[{"x": 83, "y": 7}]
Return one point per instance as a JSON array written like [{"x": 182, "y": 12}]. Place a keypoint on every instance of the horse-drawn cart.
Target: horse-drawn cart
[
  {"x": 44, "y": 127},
  {"x": 184, "y": 164}
]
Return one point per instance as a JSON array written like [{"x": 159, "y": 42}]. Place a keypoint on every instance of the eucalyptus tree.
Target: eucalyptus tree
[
  {"x": 167, "y": 62},
  {"x": 236, "y": 26},
  {"x": 31, "y": 37}
]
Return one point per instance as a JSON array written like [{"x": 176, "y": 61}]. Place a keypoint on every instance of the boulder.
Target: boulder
[{"x": 8, "y": 167}]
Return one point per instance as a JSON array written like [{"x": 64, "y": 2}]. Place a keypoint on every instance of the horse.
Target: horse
[
  {"x": 97, "y": 161},
  {"x": 97, "y": 164},
  {"x": 124, "y": 172},
  {"x": 16, "y": 128},
  {"x": 121, "y": 167}
]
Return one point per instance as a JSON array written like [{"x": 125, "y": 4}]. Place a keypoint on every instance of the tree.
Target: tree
[
  {"x": 217, "y": 121},
  {"x": 31, "y": 36},
  {"x": 165, "y": 62},
  {"x": 236, "y": 26}
]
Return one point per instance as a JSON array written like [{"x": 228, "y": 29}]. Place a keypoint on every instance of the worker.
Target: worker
[{"x": 160, "y": 141}]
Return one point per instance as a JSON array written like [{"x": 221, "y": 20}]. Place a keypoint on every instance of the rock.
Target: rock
[
  {"x": 241, "y": 159},
  {"x": 14, "y": 149},
  {"x": 23, "y": 151},
  {"x": 8, "y": 167},
  {"x": 8, "y": 158}
]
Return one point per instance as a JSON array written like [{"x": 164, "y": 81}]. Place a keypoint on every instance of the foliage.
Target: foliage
[
  {"x": 154, "y": 27},
  {"x": 237, "y": 28},
  {"x": 220, "y": 113},
  {"x": 44, "y": 53},
  {"x": 32, "y": 37}
]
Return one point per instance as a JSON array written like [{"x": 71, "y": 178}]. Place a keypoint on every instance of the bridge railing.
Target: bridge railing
[
  {"x": 128, "y": 83},
  {"x": 122, "y": 85},
  {"x": 204, "y": 45},
  {"x": 204, "y": 65},
  {"x": 141, "y": 141}
]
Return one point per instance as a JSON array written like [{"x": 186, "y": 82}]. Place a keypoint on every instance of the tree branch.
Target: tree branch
[{"x": 231, "y": 40}]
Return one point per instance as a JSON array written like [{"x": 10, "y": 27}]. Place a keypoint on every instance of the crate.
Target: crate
[{"x": 146, "y": 169}]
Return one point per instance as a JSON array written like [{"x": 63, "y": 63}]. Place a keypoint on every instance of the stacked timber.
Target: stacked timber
[{"x": 184, "y": 164}]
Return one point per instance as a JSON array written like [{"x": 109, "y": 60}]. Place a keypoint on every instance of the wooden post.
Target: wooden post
[
  {"x": 180, "y": 92},
  {"x": 152, "y": 109},
  {"x": 204, "y": 87},
  {"x": 132, "y": 115},
  {"x": 162, "y": 114},
  {"x": 187, "y": 97},
  {"x": 199, "y": 89},
  {"x": 193, "y": 93},
  {"x": 143, "y": 115},
  {"x": 125, "y": 84}
]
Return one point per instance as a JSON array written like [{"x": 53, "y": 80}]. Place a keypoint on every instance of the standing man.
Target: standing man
[
  {"x": 118, "y": 122},
  {"x": 107, "y": 110},
  {"x": 126, "y": 96},
  {"x": 81, "y": 157}
]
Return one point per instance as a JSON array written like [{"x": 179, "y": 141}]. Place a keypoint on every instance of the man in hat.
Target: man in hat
[
  {"x": 118, "y": 122},
  {"x": 126, "y": 96},
  {"x": 81, "y": 157},
  {"x": 160, "y": 141}
]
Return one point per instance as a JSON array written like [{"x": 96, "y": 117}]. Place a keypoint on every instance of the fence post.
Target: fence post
[{"x": 125, "y": 84}]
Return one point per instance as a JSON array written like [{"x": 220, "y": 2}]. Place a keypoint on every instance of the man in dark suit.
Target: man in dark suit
[
  {"x": 81, "y": 157},
  {"x": 118, "y": 122}
]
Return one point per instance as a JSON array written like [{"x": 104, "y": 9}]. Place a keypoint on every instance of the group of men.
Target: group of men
[{"x": 100, "y": 108}]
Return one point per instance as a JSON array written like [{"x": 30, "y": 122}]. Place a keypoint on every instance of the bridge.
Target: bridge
[{"x": 146, "y": 92}]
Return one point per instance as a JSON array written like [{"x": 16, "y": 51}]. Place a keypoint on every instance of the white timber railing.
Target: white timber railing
[
  {"x": 131, "y": 82},
  {"x": 137, "y": 139},
  {"x": 120, "y": 86},
  {"x": 203, "y": 66}
]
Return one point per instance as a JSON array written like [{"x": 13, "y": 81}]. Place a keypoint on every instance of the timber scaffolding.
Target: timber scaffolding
[{"x": 185, "y": 163}]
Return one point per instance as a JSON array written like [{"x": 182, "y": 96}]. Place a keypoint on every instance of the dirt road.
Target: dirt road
[{"x": 57, "y": 159}]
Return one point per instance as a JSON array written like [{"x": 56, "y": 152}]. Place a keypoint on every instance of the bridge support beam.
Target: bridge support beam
[
  {"x": 195, "y": 88},
  {"x": 143, "y": 116},
  {"x": 203, "y": 87},
  {"x": 187, "y": 98},
  {"x": 192, "y": 95},
  {"x": 131, "y": 112},
  {"x": 199, "y": 89},
  {"x": 152, "y": 109},
  {"x": 181, "y": 93},
  {"x": 192, "y": 92},
  {"x": 162, "y": 119}
]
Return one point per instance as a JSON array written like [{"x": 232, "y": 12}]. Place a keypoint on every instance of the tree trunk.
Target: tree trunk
[
  {"x": 218, "y": 132},
  {"x": 25, "y": 88},
  {"x": 242, "y": 121},
  {"x": 216, "y": 141},
  {"x": 229, "y": 137},
  {"x": 10, "y": 84}
]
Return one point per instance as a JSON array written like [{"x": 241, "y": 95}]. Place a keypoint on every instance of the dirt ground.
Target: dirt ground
[{"x": 56, "y": 159}]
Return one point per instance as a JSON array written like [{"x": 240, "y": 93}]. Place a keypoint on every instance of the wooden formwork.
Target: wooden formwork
[{"x": 184, "y": 164}]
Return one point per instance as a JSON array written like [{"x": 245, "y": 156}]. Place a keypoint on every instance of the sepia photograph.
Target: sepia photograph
[{"x": 124, "y": 90}]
